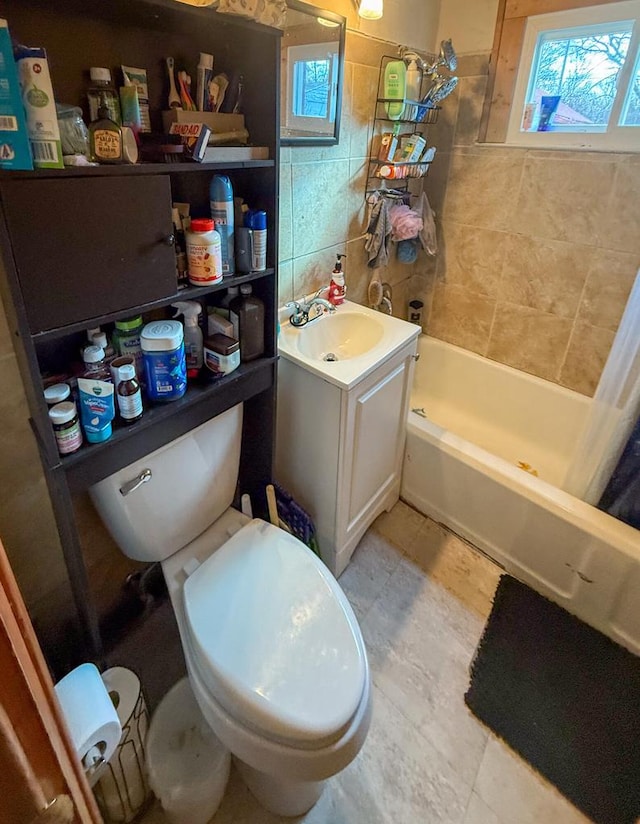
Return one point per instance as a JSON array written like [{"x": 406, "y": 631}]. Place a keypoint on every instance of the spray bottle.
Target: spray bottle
[
  {"x": 193, "y": 342},
  {"x": 337, "y": 287}
]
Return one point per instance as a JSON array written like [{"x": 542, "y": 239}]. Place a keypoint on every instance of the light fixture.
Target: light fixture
[{"x": 369, "y": 9}]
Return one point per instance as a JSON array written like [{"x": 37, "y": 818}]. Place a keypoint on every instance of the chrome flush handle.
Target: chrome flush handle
[{"x": 134, "y": 483}]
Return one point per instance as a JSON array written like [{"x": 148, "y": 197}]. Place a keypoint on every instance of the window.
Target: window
[
  {"x": 312, "y": 87},
  {"x": 578, "y": 82}
]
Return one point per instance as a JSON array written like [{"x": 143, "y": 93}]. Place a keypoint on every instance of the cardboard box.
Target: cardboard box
[
  {"x": 15, "y": 152},
  {"x": 194, "y": 137},
  {"x": 217, "y": 122}
]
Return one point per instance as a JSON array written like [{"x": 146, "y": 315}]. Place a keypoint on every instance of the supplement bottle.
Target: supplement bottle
[
  {"x": 66, "y": 427},
  {"x": 129, "y": 395},
  {"x": 126, "y": 339},
  {"x": 246, "y": 313},
  {"x": 94, "y": 364},
  {"x": 164, "y": 360},
  {"x": 204, "y": 260}
]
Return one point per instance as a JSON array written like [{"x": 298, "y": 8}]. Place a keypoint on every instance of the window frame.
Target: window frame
[
  {"x": 301, "y": 53},
  {"x": 509, "y": 33},
  {"x": 615, "y": 137}
]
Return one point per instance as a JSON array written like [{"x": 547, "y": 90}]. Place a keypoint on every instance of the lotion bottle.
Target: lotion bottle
[
  {"x": 337, "y": 287},
  {"x": 193, "y": 340}
]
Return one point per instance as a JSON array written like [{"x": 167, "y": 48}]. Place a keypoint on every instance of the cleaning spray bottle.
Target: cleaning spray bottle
[
  {"x": 337, "y": 287},
  {"x": 193, "y": 341}
]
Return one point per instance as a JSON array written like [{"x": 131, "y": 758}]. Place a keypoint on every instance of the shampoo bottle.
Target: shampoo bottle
[
  {"x": 193, "y": 340},
  {"x": 221, "y": 201},
  {"x": 414, "y": 82},
  {"x": 337, "y": 287},
  {"x": 395, "y": 88}
]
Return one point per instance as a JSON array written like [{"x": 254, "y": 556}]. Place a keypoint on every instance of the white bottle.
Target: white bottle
[
  {"x": 414, "y": 81},
  {"x": 193, "y": 340}
]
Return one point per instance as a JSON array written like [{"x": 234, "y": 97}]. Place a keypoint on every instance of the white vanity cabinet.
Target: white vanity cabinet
[{"x": 339, "y": 449}]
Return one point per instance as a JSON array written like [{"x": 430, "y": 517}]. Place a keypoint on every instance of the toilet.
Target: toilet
[{"x": 274, "y": 653}]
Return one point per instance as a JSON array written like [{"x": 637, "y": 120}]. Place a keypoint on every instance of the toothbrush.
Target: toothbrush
[
  {"x": 174, "y": 98},
  {"x": 185, "y": 97}
]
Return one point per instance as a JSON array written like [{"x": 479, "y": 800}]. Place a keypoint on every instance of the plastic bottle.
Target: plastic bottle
[
  {"x": 246, "y": 312},
  {"x": 204, "y": 252},
  {"x": 129, "y": 395},
  {"x": 337, "y": 287},
  {"x": 193, "y": 340},
  {"x": 395, "y": 88},
  {"x": 165, "y": 369},
  {"x": 221, "y": 202},
  {"x": 105, "y": 138},
  {"x": 94, "y": 365},
  {"x": 413, "y": 83},
  {"x": 100, "y": 339},
  {"x": 66, "y": 427},
  {"x": 126, "y": 339},
  {"x": 103, "y": 92}
]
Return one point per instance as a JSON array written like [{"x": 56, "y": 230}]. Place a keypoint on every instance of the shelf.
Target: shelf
[
  {"x": 162, "y": 423},
  {"x": 378, "y": 162},
  {"x": 188, "y": 293},
  {"x": 137, "y": 169}
]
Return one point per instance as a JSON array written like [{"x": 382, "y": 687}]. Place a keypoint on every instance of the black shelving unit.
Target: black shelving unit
[
  {"x": 82, "y": 247},
  {"x": 383, "y": 123}
]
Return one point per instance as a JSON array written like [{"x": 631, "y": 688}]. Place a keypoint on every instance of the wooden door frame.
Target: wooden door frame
[{"x": 37, "y": 760}]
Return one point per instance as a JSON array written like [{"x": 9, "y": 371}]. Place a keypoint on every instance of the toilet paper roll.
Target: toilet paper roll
[{"x": 91, "y": 717}]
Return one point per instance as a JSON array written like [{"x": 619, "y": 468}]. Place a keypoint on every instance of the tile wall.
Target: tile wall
[
  {"x": 322, "y": 192},
  {"x": 538, "y": 249}
]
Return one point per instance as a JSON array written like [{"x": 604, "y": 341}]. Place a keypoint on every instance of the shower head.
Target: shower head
[
  {"x": 440, "y": 88},
  {"x": 446, "y": 58}
]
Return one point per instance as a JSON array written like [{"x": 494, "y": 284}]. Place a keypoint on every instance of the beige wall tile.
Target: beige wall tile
[
  {"x": 368, "y": 52},
  {"x": 319, "y": 194},
  {"x": 620, "y": 228},
  {"x": 285, "y": 282},
  {"x": 472, "y": 90},
  {"x": 365, "y": 89},
  {"x": 471, "y": 65},
  {"x": 435, "y": 184},
  {"x": 548, "y": 275},
  {"x": 564, "y": 199},
  {"x": 586, "y": 357},
  {"x": 312, "y": 272},
  {"x": 483, "y": 185},
  {"x": 471, "y": 258},
  {"x": 460, "y": 318},
  {"x": 441, "y": 133},
  {"x": 530, "y": 340},
  {"x": 285, "y": 235},
  {"x": 611, "y": 276}
]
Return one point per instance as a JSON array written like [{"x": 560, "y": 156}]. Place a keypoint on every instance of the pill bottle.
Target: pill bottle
[
  {"x": 204, "y": 259},
  {"x": 66, "y": 427},
  {"x": 56, "y": 393}
]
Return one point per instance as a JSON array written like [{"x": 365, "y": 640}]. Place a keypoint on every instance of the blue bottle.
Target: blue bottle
[{"x": 221, "y": 200}]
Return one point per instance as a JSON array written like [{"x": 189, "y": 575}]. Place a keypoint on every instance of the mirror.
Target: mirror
[{"x": 312, "y": 55}]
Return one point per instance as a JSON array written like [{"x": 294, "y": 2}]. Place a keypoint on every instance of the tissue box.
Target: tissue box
[{"x": 14, "y": 141}]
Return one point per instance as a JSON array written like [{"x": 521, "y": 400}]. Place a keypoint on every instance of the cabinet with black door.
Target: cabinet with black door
[{"x": 84, "y": 247}]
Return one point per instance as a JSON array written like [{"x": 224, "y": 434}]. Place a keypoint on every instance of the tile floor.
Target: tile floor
[{"x": 422, "y": 596}]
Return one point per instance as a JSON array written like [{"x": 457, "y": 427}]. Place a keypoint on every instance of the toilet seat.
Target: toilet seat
[{"x": 274, "y": 638}]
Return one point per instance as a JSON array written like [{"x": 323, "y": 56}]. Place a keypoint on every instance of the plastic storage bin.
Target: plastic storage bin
[{"x": 188, "y": 766}]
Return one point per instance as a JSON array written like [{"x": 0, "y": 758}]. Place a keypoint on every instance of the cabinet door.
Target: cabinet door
[
  {"x": 85, "y": 247},
  {"x": 376, "y": 424}
]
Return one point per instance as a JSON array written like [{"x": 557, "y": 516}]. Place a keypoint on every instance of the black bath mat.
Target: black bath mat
[{"x": 563, "y": 696}]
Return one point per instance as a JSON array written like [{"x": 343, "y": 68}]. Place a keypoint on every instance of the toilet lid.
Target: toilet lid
[{"x": 275, "y": 637}]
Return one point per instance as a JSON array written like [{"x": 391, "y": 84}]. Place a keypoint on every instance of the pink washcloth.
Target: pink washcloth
[{"x": 405, "y": 223}]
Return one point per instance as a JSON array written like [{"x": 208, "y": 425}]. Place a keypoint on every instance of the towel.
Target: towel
[
  {"x": 427, "y": 235},
  {"x": 378, "y": 234}
]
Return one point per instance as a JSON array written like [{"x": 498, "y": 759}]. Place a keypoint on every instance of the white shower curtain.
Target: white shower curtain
[{"x": 614, "y": 412}]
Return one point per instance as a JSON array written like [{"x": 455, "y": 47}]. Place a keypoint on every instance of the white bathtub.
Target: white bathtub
[{"x": 461, "y": 468}]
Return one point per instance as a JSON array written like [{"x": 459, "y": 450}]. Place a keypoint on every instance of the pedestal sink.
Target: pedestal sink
[{"x": 343, "y": 390}]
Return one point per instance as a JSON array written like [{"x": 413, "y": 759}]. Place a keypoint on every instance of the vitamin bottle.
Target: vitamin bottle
[{"x": 204, "y": 260}]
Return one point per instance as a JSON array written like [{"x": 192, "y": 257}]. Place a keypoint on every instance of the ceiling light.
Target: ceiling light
[{"x": 370, "y": 9}]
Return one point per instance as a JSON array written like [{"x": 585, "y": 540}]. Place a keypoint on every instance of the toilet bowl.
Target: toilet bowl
[{"x": 273, "y": 650}]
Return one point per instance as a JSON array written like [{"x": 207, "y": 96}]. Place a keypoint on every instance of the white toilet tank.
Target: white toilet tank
[{"x": 192, "y": 482}]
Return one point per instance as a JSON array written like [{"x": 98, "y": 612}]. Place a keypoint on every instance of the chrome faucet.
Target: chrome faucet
[{"x": 302, "y": 309}]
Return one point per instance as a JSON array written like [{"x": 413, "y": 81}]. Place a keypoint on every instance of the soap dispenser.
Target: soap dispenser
[{"x": 337, "y": 287}]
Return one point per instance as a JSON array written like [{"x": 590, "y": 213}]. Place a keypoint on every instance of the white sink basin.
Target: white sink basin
[
  {"x": 346, "y": 345},
  {"x": 340, "y": 336}
]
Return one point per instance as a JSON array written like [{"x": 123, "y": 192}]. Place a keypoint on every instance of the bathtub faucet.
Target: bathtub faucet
[{"x": 302, "y": 308}]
